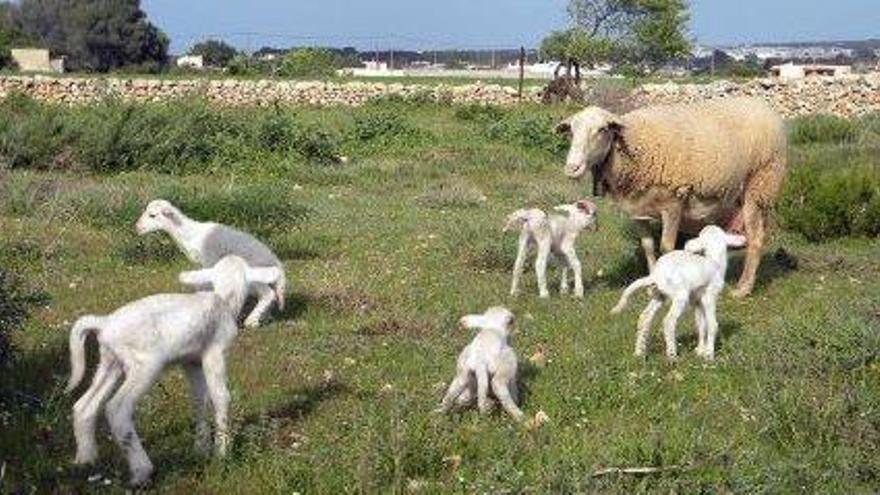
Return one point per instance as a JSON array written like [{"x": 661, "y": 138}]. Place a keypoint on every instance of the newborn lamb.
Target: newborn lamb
[
  {"x": 140, "y": 339},
  {"x": 556, "y": 234},
  {"x": 206, "y": 243},
  {"x": 686, "y": 277},
  {"x": 487, "y": 359}
]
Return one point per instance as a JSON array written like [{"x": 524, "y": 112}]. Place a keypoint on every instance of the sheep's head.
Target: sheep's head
[
  {"x": 230, "y": 278},
  {"x": 583, "y": 211},
  {"x": 158, "y": 215},
  {"x": 714, "y": 241},
  {"x": 593, "y": 132},
  {"x": 495, "y": 318}
]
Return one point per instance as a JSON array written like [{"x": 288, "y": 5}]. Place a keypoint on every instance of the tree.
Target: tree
[
  {"x": 646, "y": 33},
  {"x": 95, "y": 35},
  {"x": 217, "y": 53},
  {"x": 11, "y": 36},
  {"x": 308, "y": 62}
]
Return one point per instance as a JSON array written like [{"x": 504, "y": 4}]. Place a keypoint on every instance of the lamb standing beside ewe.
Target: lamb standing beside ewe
[
  {"x": 488, "y": 359},
  {"x": 551, "y": 234},
  {"x": 206, "y": 243},
  {"x": 686, "y": 277},
  {"x": 720, "y": 162},
  {"x": 140, "y": 339}
]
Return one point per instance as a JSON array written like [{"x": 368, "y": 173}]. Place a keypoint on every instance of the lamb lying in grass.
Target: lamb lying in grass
[
  {"x": 686, "y": 277},
  {"x": 555, "y": 234},
  {"x": 488, "y": 359},
  {"x": 206, "y": 243},
  {"x": 140, "y": 339}
]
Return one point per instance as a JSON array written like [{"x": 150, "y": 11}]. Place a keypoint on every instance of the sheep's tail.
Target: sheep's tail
[
  {"x": 633, "y": 287},
  {"x": 281, "y": 290},
  {"x": 78, "y": 334}
]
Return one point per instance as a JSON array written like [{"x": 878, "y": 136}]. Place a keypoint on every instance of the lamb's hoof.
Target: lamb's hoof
[
  {"x": 252, "y": 323},
  {"x": 141, "y": 478},
  {"x": 578, "y": 295},
  {"x": 639, "y": 354},
  {"x": 544, "y": 296},
  {"x": 740, "y": 293},
  {"x": 84, "y": 459},
  {"x": 439, "y": 411}
]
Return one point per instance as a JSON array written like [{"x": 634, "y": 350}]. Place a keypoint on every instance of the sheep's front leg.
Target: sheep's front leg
[
  {"x": 120, "y": 415},
  {"x": 266, "y": 297},
  {"x": 711, "y": 322},
  {"x": 671, "y": 217},
  {"x": 700, "y": 322},
  {"x": 755, "y": 225},
  {"x": 563, "y": 280},
  {"x": 518, "y": 266},
  {"x": 500, "y": 388},
  {"x": 199, "y": 390},
  {"x": 214, "y": 366},
  {"x": 575, "y": 264},
  {"x": 483, "y": 390},
  {"x": 679, "y": 304},
  {"x": 86, "y": 409},
  {"x": 541, "y": 260}
]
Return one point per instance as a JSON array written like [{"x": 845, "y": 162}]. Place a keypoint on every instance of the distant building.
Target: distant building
[
  {"x": 191, "y": 62},
  {"x": 36, "y": 60},
  {"x": 796, "y": 71}
]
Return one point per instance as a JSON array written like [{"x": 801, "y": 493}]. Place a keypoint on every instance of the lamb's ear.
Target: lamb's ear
[
  {"x": 735, "y": 240},
  {"x": 269, "y": 275},
  {"x": 564, "y": 127},
  {"x": 471, "y": 321},
  {"x": 197, "y": 278},
  {"x": 171, "y": 214},
  {"x": 695, "y": 246}
]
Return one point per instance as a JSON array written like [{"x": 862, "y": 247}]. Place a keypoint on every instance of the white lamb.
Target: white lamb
[
  {"x": 487, "y": 359},
  {"x": 206, "y": 243},
  {"x": 555, "y": 234},
  {"x": 686, "y": 277},
  {"x": 140, "y": 339}
]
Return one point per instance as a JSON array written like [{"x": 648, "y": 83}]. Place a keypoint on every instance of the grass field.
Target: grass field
[{"x": 384, "y": 254}]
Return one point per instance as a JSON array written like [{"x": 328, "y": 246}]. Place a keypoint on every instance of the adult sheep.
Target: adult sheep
[{"x": 719, "y": 162}]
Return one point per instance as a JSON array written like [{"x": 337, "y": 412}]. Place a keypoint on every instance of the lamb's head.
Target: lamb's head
[
  {"x": 713, "y": 241},
  {"x": 495, "y": 318},
  {"x": 583, "y": 212},
  {"x": 159, "y": 215},
  {"x": 230, "y": 278},
  {"x": 593, "y": 132}
]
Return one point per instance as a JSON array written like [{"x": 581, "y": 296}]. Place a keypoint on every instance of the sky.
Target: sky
[{"x": 421, "y": 24}]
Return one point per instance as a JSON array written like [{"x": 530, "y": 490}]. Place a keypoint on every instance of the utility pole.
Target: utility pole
[
  {"x": 522, "y": 69},
  {"x": 391, "y": 62}
]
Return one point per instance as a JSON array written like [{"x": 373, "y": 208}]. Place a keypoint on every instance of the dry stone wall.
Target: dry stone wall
[{"x": 845, "y": 96}]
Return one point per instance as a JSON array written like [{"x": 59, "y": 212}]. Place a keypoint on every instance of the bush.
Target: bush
[
  {"x": 532, "y": 131},
  {"x": 826, "y": 204},
  {"x": 379, "y": 126},
  {"x": 31, "y": 134},
  {"x": 15, "y": 300},
  {"x": 308, "y": 62},
  {"x": 823, "y": 129},
  {"x": 480, "y": 114}
]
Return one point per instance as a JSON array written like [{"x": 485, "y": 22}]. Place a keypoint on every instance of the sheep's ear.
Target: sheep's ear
[
  {"x": 197, "y": 278},
  {"x": 471, "y": 321},
  {"x": 564, "y": 127},
  {"x": 586, "y": 206},
  {"x": 735, "y": 240},
  {"x": 171, "y": 214},
  {"x": 615, "y": 126},
  {"x": 695, "y": 246},
  {"x": 264, "y": 275}
]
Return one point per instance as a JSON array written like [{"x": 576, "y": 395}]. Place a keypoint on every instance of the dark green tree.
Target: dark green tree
[
  {"x": 217, "y": 53},
  {"x": 95, "y": 35},
  {"x": 646, "y": 33}
]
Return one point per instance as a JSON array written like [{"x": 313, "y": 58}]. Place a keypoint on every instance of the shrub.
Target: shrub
[
  {"x": 532, "y": 131},
  {"x": 15, "y": 300},
  {"x": 380, "y": 126},
  {"x": 31, "y": 133},
  {"x": 825, "y": 204},
  {"x": 308, "y": 62},
  {"x": 480, "y": 114},
  {"x": 823, "y": 129}
]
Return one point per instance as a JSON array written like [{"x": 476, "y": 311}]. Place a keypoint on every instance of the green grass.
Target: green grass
[{"x": 384, "y": 253}]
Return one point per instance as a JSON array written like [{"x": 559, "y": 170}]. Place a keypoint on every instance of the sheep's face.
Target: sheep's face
[
  {"x": 714, "y": 238},
  {"x": 592, "y": 132},
  {"x": 230, "y": 277},
  {"x": 158, "y": 215}
]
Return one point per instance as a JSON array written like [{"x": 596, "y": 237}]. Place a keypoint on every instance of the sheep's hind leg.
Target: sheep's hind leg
[
  {"x": 200, "y": 401},
  {"x": 120, "y": 415},
  {"x": 266, "y": 297},
  {"x": 86, "y": 409},
  {"x": 755, "y": 225},
  {"x": 645, "y": 320},
  {"x": 679, "y": 304}
]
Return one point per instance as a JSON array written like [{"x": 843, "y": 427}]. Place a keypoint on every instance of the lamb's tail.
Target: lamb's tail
[
  {"x": 633, "y": 287},
  {"x": 78, "y": 334},
  {"x": 281, "y": 290}
]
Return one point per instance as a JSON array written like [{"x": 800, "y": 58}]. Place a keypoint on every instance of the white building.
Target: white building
[
  {"x": 191, "y": 62},
  {"x": 796, "y": 71}
]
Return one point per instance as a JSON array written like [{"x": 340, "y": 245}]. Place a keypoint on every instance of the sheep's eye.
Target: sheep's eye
[{"x": 152, "y": 215}]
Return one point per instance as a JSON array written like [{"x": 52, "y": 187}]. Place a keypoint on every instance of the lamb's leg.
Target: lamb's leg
[
  {"x": 456, "y": 388},
  {"x": 266, "y": 298},
  {"x": 199, "y": 391},
  {"x": 467, "y": 395},
  {"x": 575, "y": 264},
  {"x": 644, "y": 328},
  {"x": 563, "y": 279},
  {"x": 120, "y": 415},
  {"x": 700, "y": 322},
  {"x": 648, "y": 245},
  {"x": 214, "y": 366},
  {"x": 499, "y": 387},
  {"x": 541, "y": 267},
  {"x": 755, "y": 225},
  {"x": 483, "y": 390},
  {"x": 679, "y": 304},
  {"x": 86, "y": 409},
  {"x": 671, "y": 223},
  {"x": 520, "y": 262},
  {"x": 708, "y": 304}
]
